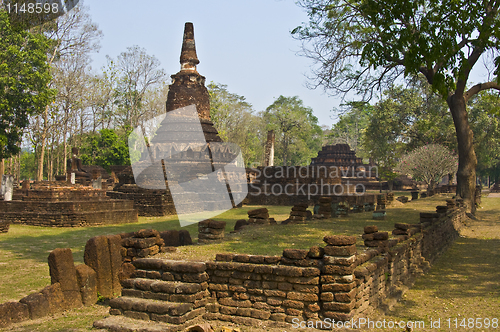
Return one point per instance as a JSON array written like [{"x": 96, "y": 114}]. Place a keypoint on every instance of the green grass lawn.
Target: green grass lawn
[
  {"x": 24, "y": 249},
  {"x": 463, "y": 283}
]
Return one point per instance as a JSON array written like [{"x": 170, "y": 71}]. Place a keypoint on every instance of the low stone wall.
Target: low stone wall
[
  {"x": 4, "y": 226},
  {"x": 340, "y": 281},
  {"x": 71, "y": 287},
  {"x": 382, "y": 271},
  {"x": 249, "y": 289},
  {"x": 68, "y": 213},
  {"x": 107, "y": 263}
]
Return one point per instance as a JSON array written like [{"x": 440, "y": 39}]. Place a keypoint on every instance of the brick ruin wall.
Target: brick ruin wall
[
  {"x": 149, "y": 203},
  {"x": 68, "y": 214},
  {"x": 339, "y": 281},
  {"x": 107, "y": 262},
  {"x": 63, "y": 207},
  {"x": 290, "y": 185}
]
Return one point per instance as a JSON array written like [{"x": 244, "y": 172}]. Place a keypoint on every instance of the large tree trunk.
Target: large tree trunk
[{"x": 466, "y": 175}]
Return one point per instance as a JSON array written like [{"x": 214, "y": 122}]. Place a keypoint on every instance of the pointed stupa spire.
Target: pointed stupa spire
[{"x": 189, "y": 59}]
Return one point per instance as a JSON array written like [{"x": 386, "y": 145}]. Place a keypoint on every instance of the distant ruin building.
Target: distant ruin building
[
  {"x": 336, "y": 172},
  {"x": 339, "y": 155},
  {"x": 63, "y": 203},
  {"x": 177, "y": 144}
]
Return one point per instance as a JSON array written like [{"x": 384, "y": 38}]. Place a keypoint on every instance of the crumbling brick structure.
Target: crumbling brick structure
[
  {"x": 62, "y": 205},
  {"x": 340, "y": 281}
]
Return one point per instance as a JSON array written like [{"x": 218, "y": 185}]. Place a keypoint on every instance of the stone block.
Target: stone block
[
  {"x": 257, "y": 211},
  {"x": 55, "y": 297},
  {"x": 126, "y": 271},
  {"x": 288, "y": 271},
  {"x": 370, "y": 229},
  {"x": 340, "y": 250},
  {"x": 295, "y": 253},
  {"x": 62, "y": 270},
  {"x": 97, "y": 256},
  {"x": 116, "y": 260},
  {"x": 13, "y": 312},
  {"x": 400, "y": 232},
  {"x": 144, "y": 233},
  {"x": 171, "y": 238},
  {"x": 87, "y": 280},
  {"x": 340, "y": 240},
  {"x": 38, "y": 305},
  {"x": 316, "y": 252},
  {"x": 368, "y": 237},
  {"x": 185, "y": 238},
  {"x": 381, "y": 236},
  {"x": 240, "y": 223}
]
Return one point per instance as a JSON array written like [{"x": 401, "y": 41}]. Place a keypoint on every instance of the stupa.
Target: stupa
[
  {"x": 184, "y": 148},
  {"x": 339, "y": 155}
]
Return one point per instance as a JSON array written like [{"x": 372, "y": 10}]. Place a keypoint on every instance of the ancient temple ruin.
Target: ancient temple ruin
[
  {"x": 185, "y": 152},
  {"x": 339, "y": 155},
  {"x": 66, "y": 204},
  {"x": 336, "y": 172}
]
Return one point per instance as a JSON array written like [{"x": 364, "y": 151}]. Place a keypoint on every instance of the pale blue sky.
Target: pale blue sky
[{"x": 245, "y": 44}]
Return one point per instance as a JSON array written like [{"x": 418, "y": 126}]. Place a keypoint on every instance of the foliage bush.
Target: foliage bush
[{"x": 429, "y": 163}]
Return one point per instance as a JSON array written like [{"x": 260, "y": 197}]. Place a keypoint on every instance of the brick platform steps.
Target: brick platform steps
[
  {"x": 166, "y": 294},
  {"x": 155, "y": 310},
  {"x": 126, "y": 324},
  {"x": 72, "y": 219},
  {"x": 68, "y": 213}
]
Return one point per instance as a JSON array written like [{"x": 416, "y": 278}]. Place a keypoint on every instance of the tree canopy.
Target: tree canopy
[
  {"x": 367, "y": 44},
  {"x": 24, "y": 78},
  {"x": 428, "y": 163},
  {"x": 237, "y": 122},
  {"x": 298, "y": 136}
]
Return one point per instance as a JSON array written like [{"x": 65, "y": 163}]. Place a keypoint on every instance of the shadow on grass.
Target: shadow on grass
[
  {"x": 35, "y": 243},
  {"x": 468, "y": 269},
  {"x": 31, "y": 242}
]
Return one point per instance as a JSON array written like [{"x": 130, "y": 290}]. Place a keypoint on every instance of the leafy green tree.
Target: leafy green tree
[
  {"x": 106, "y": 148},
  {"x": 485, "y": 123},
  {"x": 236, "y": 122},
  {"x": 298, "y": 135},
  {"x": 72, "y": 37},
  {"x": 429, "y": 163},
  {"x": 28, "y": 165},
  {"x": 383, "y": 139},
  {"x": 351, "y": 127},
  {"x": 405, "y": 119},
  {"x": 367, "y": 44},
  {"x": 24, "y": 76}
]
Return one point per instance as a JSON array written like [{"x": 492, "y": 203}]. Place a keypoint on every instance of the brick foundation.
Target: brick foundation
[{"x": 338, "y": 281}]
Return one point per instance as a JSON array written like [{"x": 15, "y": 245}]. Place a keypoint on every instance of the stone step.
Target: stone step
[
  {"x": 169, "y": 270},
  {"x": 171, "y": 291},
  {"x": 155, "y": 310},
  {"x": 126, "y": 324},
  {"x": 160, "y": 286}
]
